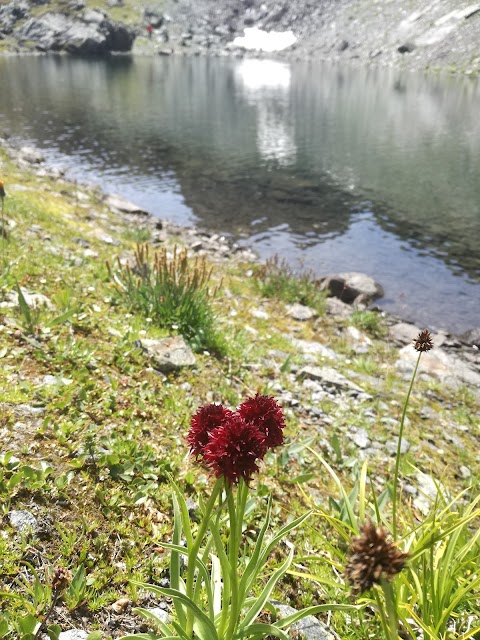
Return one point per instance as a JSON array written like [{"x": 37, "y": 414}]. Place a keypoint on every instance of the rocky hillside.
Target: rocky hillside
[{"x": 416, "y": 34}]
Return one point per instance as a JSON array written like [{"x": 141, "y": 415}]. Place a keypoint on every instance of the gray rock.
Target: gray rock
[
  {"x": 93, "y": 16},
  {"x": 117, "y": 202},
  {"x": 407, "y": 47},
  {"x": 336, "y": 307},
  {"x": 10, "y": 14},
  {"x": 352, "y": 287},
  {"x": 330, "y": 377},
  {"x": 465, "y": 472},
  {"x": 169, "y": 354},
  {"x": 312, "y": 347},
  {"x": 360, "y": 438},
  {"x": 259, "y": 313},
  {"x": 472, "y": 337},
  {"x": 438, "y": 363},
  {"x": 31, "y": 155},
  {"x": 34, "y": 300},
  {"x": 359, "y": 342},
  {"x": 403, "y": 332},
  {"x": 309, "y": 628},
  {"x": 300, "y": 312},
  {"x": 392, "y": 445},
  {"x": 23, "y": 521},
  {"x": 427, "y": 492},
  {"x": 162, "y": 614},
  {"x": 73, "y": 634}
]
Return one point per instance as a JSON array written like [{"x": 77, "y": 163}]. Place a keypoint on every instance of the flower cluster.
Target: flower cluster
[
  {"x": 373, "y": 557},
  {"x": 231, "y": 443},
  {"x": 423, "y": 342}
]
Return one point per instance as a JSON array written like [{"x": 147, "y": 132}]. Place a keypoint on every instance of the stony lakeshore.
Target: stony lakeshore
[{"x": 96, "y": 399}]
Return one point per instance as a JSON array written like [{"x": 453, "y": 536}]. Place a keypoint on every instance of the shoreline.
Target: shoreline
[{"x": 218, "y": 246}]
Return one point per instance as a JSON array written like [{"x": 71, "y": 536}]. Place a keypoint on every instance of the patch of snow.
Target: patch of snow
[{"x": 268, "y": 41}]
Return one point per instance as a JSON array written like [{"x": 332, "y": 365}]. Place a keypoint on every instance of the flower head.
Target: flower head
[
  {"x": 373, "y": 556},
  {"x": 266, "y": 414},
  {"x": 61, "y": 578},
  {"x": 203, "y": 423},
  {"x": 423, "y": 342},
  {"x": 2, "y": 189},
  {"x": 234, "y": 448}
]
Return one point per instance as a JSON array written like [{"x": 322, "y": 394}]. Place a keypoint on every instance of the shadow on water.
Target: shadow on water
[{"x": 337, "y": 169}]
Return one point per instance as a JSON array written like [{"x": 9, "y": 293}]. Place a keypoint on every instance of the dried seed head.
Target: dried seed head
[
  {"x": 2, "y": 189},
  {"x": 61, "y": 578},
  {"x": 373, "y": 556},
  {"x": 423, "y": 342}
]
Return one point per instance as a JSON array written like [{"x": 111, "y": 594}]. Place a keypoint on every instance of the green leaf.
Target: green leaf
[
  {"x": 287, "y": 622},
  {"x": 151, "y": 617},
  {"x": 28, "y": 624},
  {"x": 62, "y": 318},
  {"x": 267, "y": 591},
  {"x": 203, "y": 626},
  {"x": 260, "y": 630},
  {"x": 54, "y": 631}
]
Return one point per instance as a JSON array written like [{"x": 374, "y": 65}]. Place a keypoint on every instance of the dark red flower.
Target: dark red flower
[
  {"x": 203, "y": 422},
  {"x": 266, "y": 414},
  {"x": 423, "y": 342},
  {"x": 234, "y": 448}
]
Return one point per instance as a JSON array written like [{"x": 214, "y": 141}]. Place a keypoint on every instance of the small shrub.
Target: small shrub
[
  {"x": 175, "y": 292},
  {"x": 275, "y": 279}
]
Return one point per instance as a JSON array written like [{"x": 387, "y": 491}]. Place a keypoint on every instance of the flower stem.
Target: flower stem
[
  {"x": 233, "y": 557},
  {"x": 392, "y": 617},
  {"x": 399, "y": 448},
  {"x": 193, "y": 551}
]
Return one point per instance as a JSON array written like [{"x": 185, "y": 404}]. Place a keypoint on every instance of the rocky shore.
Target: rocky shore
[
  {"x": 441, "y": 35},
  {"x": 456, "y": 361}
]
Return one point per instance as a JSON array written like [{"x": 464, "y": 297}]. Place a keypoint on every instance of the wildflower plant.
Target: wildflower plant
[
  {"x": 213, "y": 599},
  {"x": 419, "y": 576}
]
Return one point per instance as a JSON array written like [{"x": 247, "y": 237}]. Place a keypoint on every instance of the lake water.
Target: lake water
[{"x": 335, "y": 169}]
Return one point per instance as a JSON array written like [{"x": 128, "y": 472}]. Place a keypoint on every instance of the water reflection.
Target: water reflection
[
  {"x": 266, "y": 85},
  {"x": 339, "y": 168}
]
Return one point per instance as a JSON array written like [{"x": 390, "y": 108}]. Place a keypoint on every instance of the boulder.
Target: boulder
[
  {"x": 93, "y": 35},
  {"x": 352, "y": 287},
  {"x": 169, "y": 354}
]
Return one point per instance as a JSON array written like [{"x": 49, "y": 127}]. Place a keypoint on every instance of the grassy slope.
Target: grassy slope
[{"x": 111, "y": 427}]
